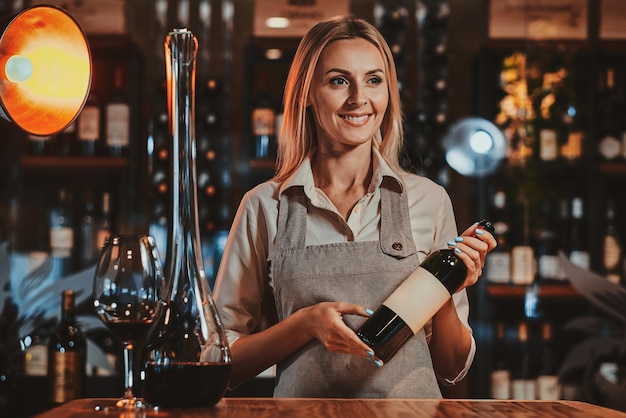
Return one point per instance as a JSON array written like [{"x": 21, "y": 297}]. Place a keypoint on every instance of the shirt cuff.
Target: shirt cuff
[{"x": 463, "y": 373}]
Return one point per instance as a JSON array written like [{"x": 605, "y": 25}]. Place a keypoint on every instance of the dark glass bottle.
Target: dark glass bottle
[
  {"x": 89, "y": 121},
  {"x": 62, "y": 236},
  {"x": 548, "y": 387},
  {"x": 500, "y": 370},
  {"x": 612, "y": 248},
  {"x": 414, "y": 302},
  {"x": 117, "y": 118},
  {"x": 67, "y": 354}
]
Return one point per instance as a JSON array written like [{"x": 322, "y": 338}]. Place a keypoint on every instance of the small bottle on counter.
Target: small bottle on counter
[{"x": 67, "y": 355}]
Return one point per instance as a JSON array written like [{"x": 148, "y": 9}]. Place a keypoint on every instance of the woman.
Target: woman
[{"x": 319, "y": 235}]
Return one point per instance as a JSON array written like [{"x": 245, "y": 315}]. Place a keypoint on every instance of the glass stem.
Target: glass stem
[{"x": 128, "y": 371}]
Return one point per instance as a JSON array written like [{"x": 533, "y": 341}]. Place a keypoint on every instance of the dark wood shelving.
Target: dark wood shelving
[
  {"x": 60, "y": 164},
  {"x": 547, "y": 291},
  {"x": 614, "y": 168},
  {"x": 263, "y": 164}
]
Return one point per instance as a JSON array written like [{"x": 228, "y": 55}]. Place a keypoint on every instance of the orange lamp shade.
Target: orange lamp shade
[{"x": 45, "y": 70}]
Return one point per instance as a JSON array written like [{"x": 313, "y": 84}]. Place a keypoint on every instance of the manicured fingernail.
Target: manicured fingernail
[
  {"x": 369, "y": 353},
  {"x": 456, "y": 250},
  {"x": 479, "y": 231},
  {"x": 369, "y": 311},
  {"x": 369, "y": 359},
  {"x": 451, "y": 243},
  {"x": 458, "y": 239},
  {"x": 378, "y": 363}
]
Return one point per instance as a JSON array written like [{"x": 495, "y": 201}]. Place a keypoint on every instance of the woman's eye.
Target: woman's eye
[
  {"x": 338, "y": 81},
  {"x": 375, "y": 80}
]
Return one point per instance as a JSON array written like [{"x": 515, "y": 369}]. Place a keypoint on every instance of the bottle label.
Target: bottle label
[
  {"x": 548, "y": 388},
  {"x": 573, "y": 148},
  {"x": 36, "y": 360},
  {"x": 498, "y": 267},
  {"x": 523, "y": 389},
  {"x": 610, "y": 147},
  {"x": 501, "y": 384},
  {"x": 117, "y": 125},
  {"x": 89, "y": 124},
  {"x": 67, "y": 378},
  {"x": 523, "y": 265},
  {"x": 61, "y": 240},
  {"x": 550, "y": 267},
  {"x": 549, "y": 146},
  {"x": 417, "y": 298},
  {"x": 612, "y": 252},
  {"x": 580, "y": 259}
]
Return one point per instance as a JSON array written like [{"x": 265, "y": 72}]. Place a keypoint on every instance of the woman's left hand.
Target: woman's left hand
[{"x": 472, "y": 247}]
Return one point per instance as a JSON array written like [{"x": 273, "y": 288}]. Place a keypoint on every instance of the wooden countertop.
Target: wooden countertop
[{"x": 350, "y": 408}]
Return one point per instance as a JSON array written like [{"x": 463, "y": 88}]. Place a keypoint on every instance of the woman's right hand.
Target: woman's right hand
[{"x": 324, "y": 322}]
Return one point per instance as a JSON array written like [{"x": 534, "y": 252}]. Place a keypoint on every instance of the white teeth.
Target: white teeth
[{"x": 355, "y": 118}]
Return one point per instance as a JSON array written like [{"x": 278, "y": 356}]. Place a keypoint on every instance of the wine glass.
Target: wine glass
[{"x": 128, "y": 292}]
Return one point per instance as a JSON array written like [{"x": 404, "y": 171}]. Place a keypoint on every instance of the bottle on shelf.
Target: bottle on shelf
[
  {"x": 105, "y": 222},
  {"x": 612, "y": 247},
  {"x": 61, "y": 236},
  {"x": 88, "y": 229},
  {"x": 548, "y": 265},
  {"x": 578, "y": 243},
  {"x": 117, "y": 118},
  {"x": 498, "y": 264},
  {"x": 523, "y": 383},
  {"x": 67, "y": 355},
  {"x": 414, "y": 301},
  {"x": 610, "y": 108},
  {"x": 500, "y": 369},
  {"x": 89, "y": 122},
  {"x": 523, "y": 262},
  {"x": 548, "y": 387},
  {"x": 66, "y": 140}
]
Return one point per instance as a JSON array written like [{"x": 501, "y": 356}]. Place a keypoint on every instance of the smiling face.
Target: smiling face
[{"x": 349, "y": 94}]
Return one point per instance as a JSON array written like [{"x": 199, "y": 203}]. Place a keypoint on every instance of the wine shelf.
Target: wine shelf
[
  {"x": 550, "y": 291},
  {"x": 46, "y": 163}
]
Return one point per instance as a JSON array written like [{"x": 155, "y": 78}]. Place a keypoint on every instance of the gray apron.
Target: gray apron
[{"x": 355, "y": 272}]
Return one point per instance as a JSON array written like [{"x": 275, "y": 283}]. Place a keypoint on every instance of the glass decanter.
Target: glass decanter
[{"x": 189, "y": 362}]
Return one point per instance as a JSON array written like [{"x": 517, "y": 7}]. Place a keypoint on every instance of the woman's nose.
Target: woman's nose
[{"x": 357, "y": 97}]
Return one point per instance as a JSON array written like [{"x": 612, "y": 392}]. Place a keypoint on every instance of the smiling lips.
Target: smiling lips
[{"x": 356, "y": 119}]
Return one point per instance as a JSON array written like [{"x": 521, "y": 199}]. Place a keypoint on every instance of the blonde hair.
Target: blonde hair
[{"x": 297, "y": 137}]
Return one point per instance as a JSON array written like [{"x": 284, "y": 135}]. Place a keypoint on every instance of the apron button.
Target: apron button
[{"x": 396, "y": 246}]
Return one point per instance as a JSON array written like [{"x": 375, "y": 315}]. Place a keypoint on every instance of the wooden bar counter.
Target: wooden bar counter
[{"x": 348, "y": 408}]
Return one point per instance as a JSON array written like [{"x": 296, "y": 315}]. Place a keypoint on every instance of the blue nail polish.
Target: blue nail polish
[
  {"x": 369, "y": 353},
  {"x": 378, "y": 363},
  {"x": 479, "y": 231},
  {"x": 451, "y": 243},
  {"x": 369, "y": 311},
  {"x": 458, "y": 239},
  {"x": 370, "y": 359},
  {"x": 456, "y": 250}
]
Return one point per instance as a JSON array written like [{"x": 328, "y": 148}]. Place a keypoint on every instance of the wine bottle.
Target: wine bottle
[
  {"x": 88, "y": 133},
  {"x": 548, "y": 265},
  {"x": 523, "y": 385},
  {"x": 117, "y": 118},
  {"x": 578, "y": 250},
  {"x": 612, "y": 248},
  {"x": 500, "y": 371},
  {"x": 61, "y": 236},
  {"x": 88, "y": 250},
  {"x": 415, "y": 301},
  {"x": 548, "y": 387},
  {"x": 105, "y": 223},
  {"x": 523, "y": 261},
  {"x": 610, "y": 115},
  {"x": 66, "y": 140},
  {"x": 498, "y": 264},
  {"x": 67, "y": 354}
]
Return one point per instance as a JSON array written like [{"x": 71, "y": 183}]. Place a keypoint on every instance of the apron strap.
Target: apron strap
[
  {"x": 291, "y": 211},
  {"x": 396, "y": 239}
]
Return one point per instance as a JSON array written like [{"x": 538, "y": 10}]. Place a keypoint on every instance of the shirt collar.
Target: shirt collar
[{"x": 303, "y": 176}]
